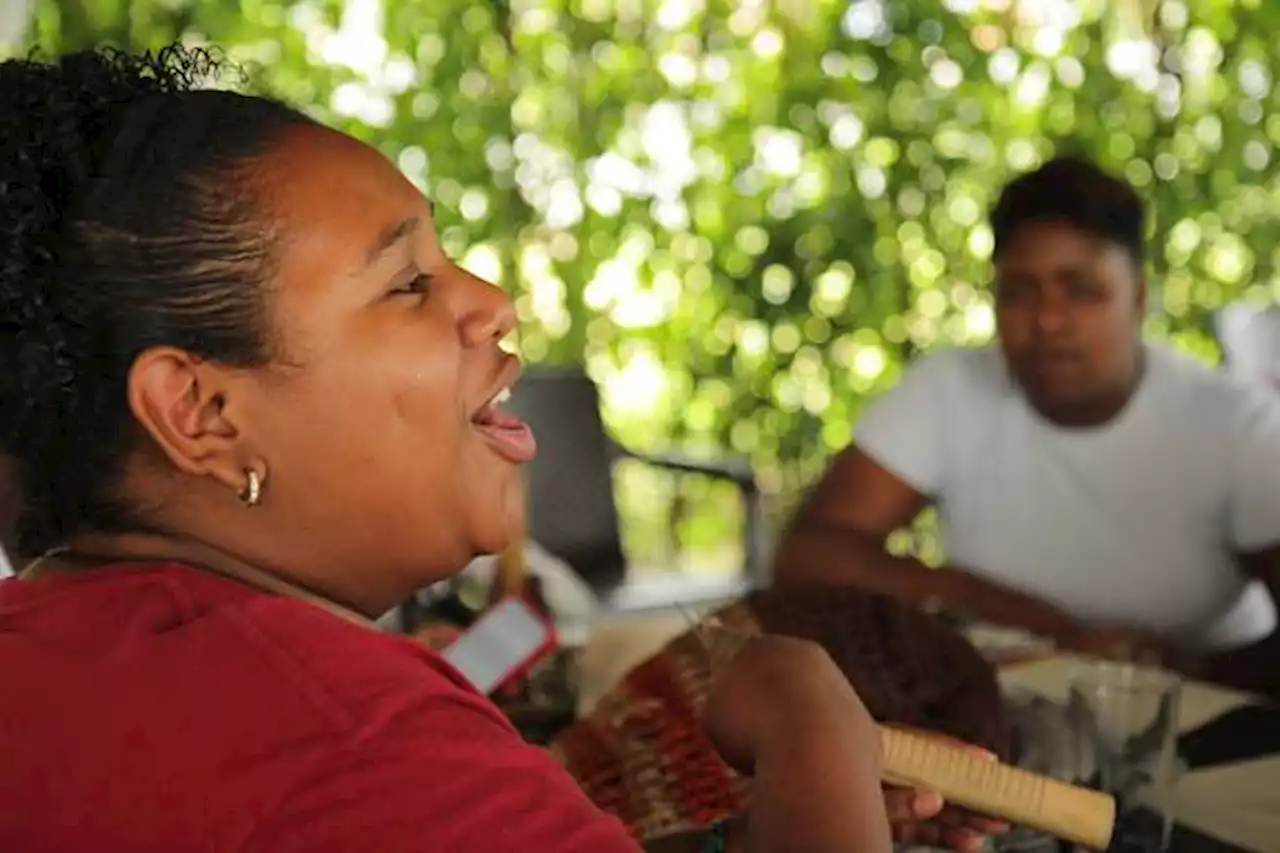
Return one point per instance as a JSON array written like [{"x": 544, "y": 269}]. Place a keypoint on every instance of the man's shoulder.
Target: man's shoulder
[
  {"x": 943, "y": 401},
  {"x": 1199, "y": 390},
  {"x": 968, "y": 367}
]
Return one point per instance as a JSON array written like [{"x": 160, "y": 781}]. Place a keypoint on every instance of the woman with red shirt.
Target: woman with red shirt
[{"x": 253, "y": 405}]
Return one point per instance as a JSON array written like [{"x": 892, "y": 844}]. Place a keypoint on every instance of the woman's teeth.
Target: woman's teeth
[{"x": 490, "y": 409}]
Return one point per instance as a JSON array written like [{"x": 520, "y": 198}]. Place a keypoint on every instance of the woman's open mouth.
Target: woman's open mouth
[{"x": 507, "y": 435}]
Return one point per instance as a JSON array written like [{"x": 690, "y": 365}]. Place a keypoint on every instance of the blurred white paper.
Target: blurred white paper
[{"x": 500, "y": 643}]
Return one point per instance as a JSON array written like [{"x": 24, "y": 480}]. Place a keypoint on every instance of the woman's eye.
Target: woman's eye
[{"x": 415, "y": 286}]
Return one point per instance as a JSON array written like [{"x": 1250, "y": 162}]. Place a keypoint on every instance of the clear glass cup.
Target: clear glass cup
[{"x": 1125, "y": 721}]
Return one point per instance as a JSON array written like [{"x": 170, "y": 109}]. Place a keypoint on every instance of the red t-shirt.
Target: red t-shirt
[{"x": 149, "y": 708}]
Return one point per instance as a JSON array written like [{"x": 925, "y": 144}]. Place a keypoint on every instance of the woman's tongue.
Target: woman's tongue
[{"x": 509, "y": 436}]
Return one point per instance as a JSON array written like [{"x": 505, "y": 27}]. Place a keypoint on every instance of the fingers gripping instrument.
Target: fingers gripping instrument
[{"x": 1074, "y": 814}]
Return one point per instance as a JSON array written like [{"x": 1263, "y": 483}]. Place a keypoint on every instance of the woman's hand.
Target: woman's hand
[
  {"x": 782, "y": 712},
  {"x": 922, "y": 817},
  {"x": 775, "y": 688}
]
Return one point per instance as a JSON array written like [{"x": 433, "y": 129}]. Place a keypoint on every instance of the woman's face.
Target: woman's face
[{"x": 375, "y": 424}]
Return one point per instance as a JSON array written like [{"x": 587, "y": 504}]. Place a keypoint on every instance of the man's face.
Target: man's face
[{"x": 1068, "y": 309}]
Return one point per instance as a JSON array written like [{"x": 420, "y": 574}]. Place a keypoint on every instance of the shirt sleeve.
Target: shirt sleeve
[
  {"x": 448, "y": 777},
  {"x": 1253, "y": 490},
  {"x": 902, "y": 430}
]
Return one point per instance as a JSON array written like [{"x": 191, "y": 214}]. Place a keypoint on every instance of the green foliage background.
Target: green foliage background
[{"x": 744, "y": 216}]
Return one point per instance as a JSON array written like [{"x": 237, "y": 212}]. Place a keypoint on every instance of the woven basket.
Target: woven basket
[{"x": 642, "y": 754}]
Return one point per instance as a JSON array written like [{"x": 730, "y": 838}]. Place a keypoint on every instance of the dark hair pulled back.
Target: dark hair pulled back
[{"x": 128, "y": 220}]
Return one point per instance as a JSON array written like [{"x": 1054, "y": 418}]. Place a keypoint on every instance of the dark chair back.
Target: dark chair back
[{"x": 571, "y": 510}]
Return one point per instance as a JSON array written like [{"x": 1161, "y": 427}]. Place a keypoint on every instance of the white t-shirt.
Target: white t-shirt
[{"x": 1134, "y": 522}]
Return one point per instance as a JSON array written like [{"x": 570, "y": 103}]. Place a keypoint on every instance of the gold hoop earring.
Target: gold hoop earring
[{"x": 251, "y": 494}]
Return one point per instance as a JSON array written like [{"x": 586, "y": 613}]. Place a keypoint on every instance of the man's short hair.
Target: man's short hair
[{"x": 1076, "y": 192}]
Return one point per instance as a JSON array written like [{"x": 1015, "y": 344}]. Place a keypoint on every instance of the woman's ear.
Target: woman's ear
[{"x": 181, "y": 402}]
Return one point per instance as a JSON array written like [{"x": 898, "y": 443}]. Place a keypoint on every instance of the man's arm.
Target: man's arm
[
  {"x": 901, "y": 458},
  {"x": 1255, "y": 667},
  {"x": 839, "y": 537},
  {"x": 1252, "y": 516}
]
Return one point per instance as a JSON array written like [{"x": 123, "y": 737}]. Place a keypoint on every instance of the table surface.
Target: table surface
[{"x": 1231, "y": 790}]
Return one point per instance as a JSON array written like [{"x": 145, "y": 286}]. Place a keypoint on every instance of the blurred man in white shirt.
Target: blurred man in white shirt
[{"x": 1094, "y": 488}]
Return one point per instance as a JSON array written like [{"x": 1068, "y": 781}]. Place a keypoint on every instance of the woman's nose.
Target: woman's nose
[{"x": 489, "y": 315}]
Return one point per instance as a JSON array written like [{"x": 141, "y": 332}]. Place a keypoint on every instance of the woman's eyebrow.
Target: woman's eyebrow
[{"x": 389, "y": 238}]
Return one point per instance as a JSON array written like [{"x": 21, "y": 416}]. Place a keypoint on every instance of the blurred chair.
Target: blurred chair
[{"x": 572, "y": 512}]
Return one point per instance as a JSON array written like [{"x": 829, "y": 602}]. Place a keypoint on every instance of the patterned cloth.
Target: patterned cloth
[{"x": 642, "y": 754}]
